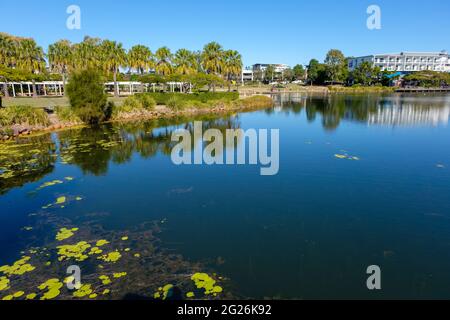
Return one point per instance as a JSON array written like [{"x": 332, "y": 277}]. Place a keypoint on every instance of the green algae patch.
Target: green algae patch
[
  {"x": 84, "y": 291},
  {"x": 76, "y": 251},
  {"x": 19, "y": 267},
  {"x": 69, "y": 178},
  {"x": 61, "y": 200},
  {"x": 124, "y": 238},
  {"x": 53, "y": 287},
  {"x": 31, "y": 296},
  {"x": 4, "y": 283},
  {"x": 101, "y": 243},
  {"x": 204, "y": 281},
  {"x": 105, "y": 279},
  {"x": 111, "y": 257},
  {"x": 190, "y": 295},
  {"x": 347, "y": 157},
  {"x": 119, "y": 275},
  {"x": 163, "y": 292},
  {"x": 65, "y": 233},
  {"x": 49, "y": 184}
]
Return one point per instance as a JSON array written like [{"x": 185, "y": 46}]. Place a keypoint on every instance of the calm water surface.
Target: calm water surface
[{"x": 309, "y": 232}]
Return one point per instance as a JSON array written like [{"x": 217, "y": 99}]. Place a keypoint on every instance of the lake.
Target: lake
[{"x": 363, "y": 180}]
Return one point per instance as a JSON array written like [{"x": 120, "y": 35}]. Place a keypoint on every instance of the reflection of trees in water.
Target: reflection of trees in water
[
  {"x": 371, "y": 109},
  {"x": 92, "y": 149},
  {"x": 26, "y": 161}
]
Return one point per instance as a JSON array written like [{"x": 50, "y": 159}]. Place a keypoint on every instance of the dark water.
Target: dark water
[{"x": 309, "y": 232}]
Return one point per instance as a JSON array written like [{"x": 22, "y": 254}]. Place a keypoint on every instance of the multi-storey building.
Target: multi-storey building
[{"x": 406, "y": 61}]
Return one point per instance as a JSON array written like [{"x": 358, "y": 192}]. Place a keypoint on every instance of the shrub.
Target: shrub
[
  {"x": 25, "y": 115},
  {"x": 205, "y": 97},
  {"x": 257, "y": 102},
  {"x": 67, "y": 114},
  {"x": 88, "y": 98},
  {"x": 146, "y": 101},
  {"x": 175, "y": 103}
]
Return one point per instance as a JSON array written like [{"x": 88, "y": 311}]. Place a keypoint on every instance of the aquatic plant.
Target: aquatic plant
[
  {"x": 65, "y": 233},
  {"x": 111, "y": 257},
  {"x": 76, "y": 251},
  {"x": 163, "y": 292},
  {"x": 4, "y": 283},
  {"x": 85, "y": 290},
  {"x": 18, "y": 268},
  {"x": 204, "y": 281},
  {"x": 53, "y": 287}
]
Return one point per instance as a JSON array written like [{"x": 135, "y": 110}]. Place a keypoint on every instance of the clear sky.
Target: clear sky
[{"x": 282, "y": 31}]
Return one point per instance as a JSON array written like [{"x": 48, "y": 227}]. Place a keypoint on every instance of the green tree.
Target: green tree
[
  {"x": 164, "y": 61},
  {"x": 140, "y": 58},
  {"x": 31, "y": 59},
  {"x": 269, "y": 74},
  {"x": 185, "y": 62},
  {"x": 87, "y": 96},
  {"x": 366, "y": 74},
  {"x": 87, "y": 54},
  {"x": 60, "y": 57},
  {"x": 212, "y": 58},
  {"x": 336, "y": 66},
  {"x": 313, "y": 71},
  {"x": 232, "y": 66},
  {"x": 113, "y": 57},
  {"x": 299, "y": 72}
]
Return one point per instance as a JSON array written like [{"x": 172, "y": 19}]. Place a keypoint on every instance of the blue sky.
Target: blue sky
[{"x": 283, "y": 31}]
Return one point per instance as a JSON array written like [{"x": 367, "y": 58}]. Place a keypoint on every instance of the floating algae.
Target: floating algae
[
  {"x": 346, "y": 156},
  {"x": 124, "y": 238},
  {"x": 190, "y": 295},
  {"x": 76, "y": 251},
  {"x": 163, "y": 292},
  {"x": 19, "y": 267},
  {"x": 101, "y": 243},
  {"x": 53, "y": 287},
  {"x": 65, "y": 233},
  {"x": 4, "y": 283},
  {"x": 204, "y": 281},
  {"x": 105, "y": 279},
  {"x": 85, "y": 290},
  {"x": 50, "y": 184},
  {"x": 111, "y": 257},
  {"x": 119, "y": 275}
]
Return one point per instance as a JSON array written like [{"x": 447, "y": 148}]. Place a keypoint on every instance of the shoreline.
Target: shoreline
[{"x": 160, "y": 112}]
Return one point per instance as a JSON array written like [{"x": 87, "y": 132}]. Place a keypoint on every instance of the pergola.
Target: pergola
[
  {"x": 25, "y": 88},
  {"x": 56, "y": 88}
]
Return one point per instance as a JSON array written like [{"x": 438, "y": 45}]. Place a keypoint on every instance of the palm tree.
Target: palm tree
[
  {"x": 113, "y": 57},
  {"x": 212, "y": 59},
  {"x": 164, "y": 61},
  {"x": 87, "y": 54},
  {"x": 60, "y": 57},
  {"x": 9, "y": 50},
  {"x": 232, "y": 65},
  {"x": 31, "y": 59},
  {"x": 140, "y": 58},
  {"x": 185, "y": 62}
]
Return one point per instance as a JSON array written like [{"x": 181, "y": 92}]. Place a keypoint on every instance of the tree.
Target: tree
[
  {"x": 140, "y": 58},
  {"x": 336, "y": 66},
  {"x": 232, "y": 66},
  {"x": 113, "y": 57},
  {"x": 299, "y": 72},
  {"x": 87, "y": 96},
  {"x": 366, "y": 74},
  {"x": 164, "y": 61},
  {"x": 287, "y": 75},
  {"x": 185, "y": 62},
  {"x": 60, "y": 57},
  {"x": 8, "y": 55},
  {"x": 31, "y": 58},
  {"x": 313, "y": 71},
  {"x": 87, "y": 54},
  {"x": 212, "y": 58},
  {"x": 269, "y": 74}
]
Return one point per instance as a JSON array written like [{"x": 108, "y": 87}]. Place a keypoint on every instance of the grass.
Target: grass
[
  {"x": 257, "y": 102},
  {"x": 361, "y": 89},
  {"x": 66, "y": 114},
  {"x": 43, "y": 102},
  {"x": 204, "y": 97},
  {"x": 23, "y": 115}
]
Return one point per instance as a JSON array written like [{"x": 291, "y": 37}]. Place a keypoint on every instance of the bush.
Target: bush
[
  {"x": 205, "y": 97},
  {"x": 175, "y": 103},
  {"x": 67, "y": 114},
  {"x": 257, "y": 102},
  {"x": 146, "y": 101},
  {"x": 25, "y": 115},
  {"x": 88, "y": 98}
]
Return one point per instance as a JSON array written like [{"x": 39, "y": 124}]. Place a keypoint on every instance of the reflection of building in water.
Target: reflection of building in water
[{"x": 404, "y": 114}]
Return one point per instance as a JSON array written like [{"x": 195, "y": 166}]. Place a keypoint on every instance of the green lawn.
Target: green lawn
[{"x": 47, "y": 102}]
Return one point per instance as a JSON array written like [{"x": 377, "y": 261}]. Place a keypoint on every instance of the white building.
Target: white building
[
  {"x": 279, "y": 68},
  {"x": 406, "y": 61},
  {"x": 247, "y": 75}
]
